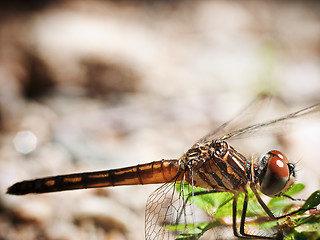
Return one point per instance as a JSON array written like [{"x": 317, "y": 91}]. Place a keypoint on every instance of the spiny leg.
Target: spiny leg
[
  {"x": 293, "y": 199},
  {"x": 234, "y": 216},
  {"x": 203, "y": 193},
  {"x": 243, "y": 220},
  {"x": 267, "y": 210}
]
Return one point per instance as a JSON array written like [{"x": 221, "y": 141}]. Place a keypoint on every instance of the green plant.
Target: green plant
[{"x": 303, "y": 225}]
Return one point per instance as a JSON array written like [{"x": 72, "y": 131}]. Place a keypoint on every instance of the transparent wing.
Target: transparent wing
[
  {"x": 182, "y": 211},
  {"x": 259, "y": 126},
  {"x": 250, "y": 114},
  {"x": 242, "y": 118},
  {"x": 164, "y": 209},
  {"x": 169, "y": 212}
]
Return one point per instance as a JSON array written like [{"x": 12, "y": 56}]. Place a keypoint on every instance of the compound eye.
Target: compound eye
[
  {"x": 278, "y": 167},
  {"x": 279, "y": 155},
  {"x": 278, "y": 177}
]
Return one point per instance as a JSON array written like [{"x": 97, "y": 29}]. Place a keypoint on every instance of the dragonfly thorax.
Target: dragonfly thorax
[{"x": 216, "y": 165}]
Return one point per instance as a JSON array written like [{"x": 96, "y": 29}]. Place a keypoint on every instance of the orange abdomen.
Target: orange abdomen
[{"x": 149, "y": 173}]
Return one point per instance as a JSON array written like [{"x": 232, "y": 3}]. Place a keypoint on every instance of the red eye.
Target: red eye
[
  {"x": 279, "y": 174},
  {"x": 278, "y": 167},
  {"x": 280, "y": 155}
]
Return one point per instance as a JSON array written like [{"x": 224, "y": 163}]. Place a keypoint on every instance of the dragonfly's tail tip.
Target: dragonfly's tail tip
[
  {"x": 12, "y": 190},
  {"x": 17, "y": 189}
]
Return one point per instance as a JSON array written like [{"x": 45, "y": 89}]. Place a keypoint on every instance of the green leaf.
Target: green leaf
[
  {"x": 180, "y": 227},
  {"x": 197, "y": 230},
  {"x": 219, "y": 205},
  {"x": 302, "y": 236},
  {"x": 296, "y": 188},
  {"x": 225, "y": 209},
  {"x": 310, "y": 224},
  {"x": 278, "y": 201},
  {"x": 267, "y": 225},
  {"x": 311, "y": 202},
  {"x": 282, "y": 204}
]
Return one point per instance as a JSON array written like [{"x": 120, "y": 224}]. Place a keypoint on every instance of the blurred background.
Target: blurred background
[{"x": 93, "y": 85}]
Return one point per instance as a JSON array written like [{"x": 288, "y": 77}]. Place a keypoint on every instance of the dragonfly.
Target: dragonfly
[{"x": 211, "y": 164}]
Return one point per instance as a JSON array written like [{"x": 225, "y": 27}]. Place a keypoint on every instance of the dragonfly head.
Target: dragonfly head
[{"x": 274, "y": 173}]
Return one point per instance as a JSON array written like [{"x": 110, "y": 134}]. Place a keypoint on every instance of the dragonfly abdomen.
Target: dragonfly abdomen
[{"x": 149, "y": 173}]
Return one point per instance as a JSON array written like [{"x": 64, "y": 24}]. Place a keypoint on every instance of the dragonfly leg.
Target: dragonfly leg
[
  {"x": 243, "y": 215},
  {"x": 267, "y": 210},
  {"x": 203, "y": 192},
  {"x": 294, "y": 199},
  {"x": 234, "y": 218},
  {"x": 243, "y": 220},
  {"x": 242, "y": 234}
]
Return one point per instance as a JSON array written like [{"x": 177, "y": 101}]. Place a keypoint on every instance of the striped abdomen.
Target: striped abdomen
[{"x": 154, "y": 172}]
